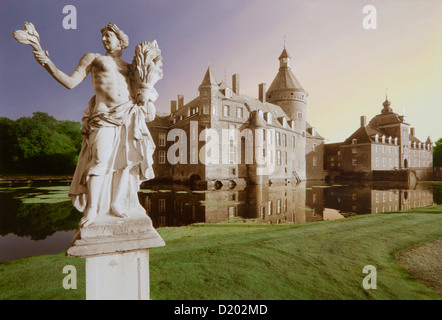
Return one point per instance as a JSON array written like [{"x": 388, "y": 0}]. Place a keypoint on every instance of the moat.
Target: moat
[{"x": 39, "y": 218}]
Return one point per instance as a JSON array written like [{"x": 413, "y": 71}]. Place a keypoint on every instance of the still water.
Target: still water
[{"x": 39, "y": 219}]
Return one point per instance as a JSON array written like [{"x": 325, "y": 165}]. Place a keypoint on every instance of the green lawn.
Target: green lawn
[{"x": 321, "y": 260}]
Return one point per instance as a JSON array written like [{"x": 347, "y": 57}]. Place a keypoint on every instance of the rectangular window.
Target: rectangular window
[
  {"x": 299, "y": 115},
  {"x": 162, "y": 139},
  {"x": 314, "y": 147},
  {"x": 270, "y": 208},
  {"x": 226, "y": 111},
  {"x": 293, "y": 142},
  {"x": 162, "y": 156},
  {"x": 284, "y": 158},
  {"x": 278, "y": 206},
  {"x": 263, "y": 211},
  {"x": 354, "y": 161},
  {"x": 232, "y": 154},
  {"x": 315, "y": 161},
  {"x": 284, "y": 140},
  {"x": 206, "y": 109},
  {"x": 278, "y": 157},
  {"x": 232, "y": 131},
  {"x": 239, "y": 113},
  {"x": 278, "y": 138}
]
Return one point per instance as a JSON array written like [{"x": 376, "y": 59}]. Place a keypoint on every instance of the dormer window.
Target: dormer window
[
  {"x": 383, "y": 139},
  {"x": 389, "y": 140},
  {"x": 269, "y": 117},
  {"x": 376, "y": 137},
  {"x": 354, "y": 141}
]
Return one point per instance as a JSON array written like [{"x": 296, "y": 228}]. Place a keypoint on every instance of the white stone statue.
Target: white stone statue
[{"x": 117, "y": 149}]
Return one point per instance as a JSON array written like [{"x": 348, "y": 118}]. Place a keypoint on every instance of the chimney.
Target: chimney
[
  {"x": 235, "y": 83},
  {"x": 363, "y": 121},
  {"x": 412, "y": 132},
  {"x": 262, "y": 92},
  {"x": 180, "y": 101},
  {"x": 172, "y": 106}
]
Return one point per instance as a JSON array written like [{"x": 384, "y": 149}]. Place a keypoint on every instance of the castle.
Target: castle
[
  {"x": 222, "y": 137},
  {"x": 385, "y": 144}
]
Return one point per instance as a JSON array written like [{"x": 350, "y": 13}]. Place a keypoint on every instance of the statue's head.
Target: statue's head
[{"x": 119, "y": 34}]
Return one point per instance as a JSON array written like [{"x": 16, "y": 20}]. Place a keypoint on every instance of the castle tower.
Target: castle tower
[
  {"x": 208, "y": 91},
  {"x": 287, "y": 92}
]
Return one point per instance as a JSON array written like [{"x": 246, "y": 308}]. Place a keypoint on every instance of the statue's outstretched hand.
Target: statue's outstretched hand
[{"x": 41, "y": 57}]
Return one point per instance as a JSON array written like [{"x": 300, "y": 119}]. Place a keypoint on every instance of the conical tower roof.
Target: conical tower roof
[
  {"x": 285, "y": 79},
  {"x": 209, "y": 79}
]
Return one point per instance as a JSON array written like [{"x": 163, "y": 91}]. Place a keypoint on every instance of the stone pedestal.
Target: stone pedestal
[{"x": 117, "y": 257}]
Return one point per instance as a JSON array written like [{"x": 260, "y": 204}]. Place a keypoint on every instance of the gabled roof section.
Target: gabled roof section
[
  {"x": 309, "y": 130},
  {"x": 365, "y": 135},
  {"x": 414, "y": 139}
]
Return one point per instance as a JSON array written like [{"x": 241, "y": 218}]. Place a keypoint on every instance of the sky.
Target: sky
[{"x": 346, "y": 69}]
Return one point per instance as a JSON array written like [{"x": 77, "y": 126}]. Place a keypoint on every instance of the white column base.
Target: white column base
[
  {"x": 118, "y": 276},
  {"x": 117, "y": 258}
]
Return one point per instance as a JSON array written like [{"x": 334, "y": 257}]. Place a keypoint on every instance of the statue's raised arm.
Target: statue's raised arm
[{"x": 30, "y": 36}]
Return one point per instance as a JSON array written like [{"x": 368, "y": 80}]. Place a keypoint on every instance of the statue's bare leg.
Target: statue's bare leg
[
  {"x": 118, "y": 198},
  {"x": 95, "y": 184}
]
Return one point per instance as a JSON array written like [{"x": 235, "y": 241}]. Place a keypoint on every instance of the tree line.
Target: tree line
[
  {"x": 42, "y": 144},
  {"x": 39, "y": 144}
]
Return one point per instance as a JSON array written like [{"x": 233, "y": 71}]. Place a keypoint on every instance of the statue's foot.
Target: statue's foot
[
  {"x": 88, "y": 219},
  {"x": 118, "y": 211}
]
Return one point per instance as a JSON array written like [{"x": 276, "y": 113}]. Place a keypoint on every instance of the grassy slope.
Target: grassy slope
[{"x": 322, "y": 260}]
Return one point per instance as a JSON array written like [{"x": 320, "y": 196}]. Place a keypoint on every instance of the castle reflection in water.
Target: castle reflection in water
[{"x": 177, "y": 205}]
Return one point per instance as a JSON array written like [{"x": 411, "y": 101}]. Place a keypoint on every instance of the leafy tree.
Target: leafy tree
[
  {"x": 437, "y": 153},
  {"x": 39, "y": 144}
]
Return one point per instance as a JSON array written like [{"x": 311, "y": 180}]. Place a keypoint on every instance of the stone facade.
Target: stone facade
[
  {"x": 386, "y": 143},
  {"x": 223, "y": 137}
]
